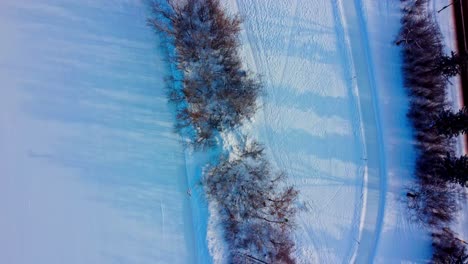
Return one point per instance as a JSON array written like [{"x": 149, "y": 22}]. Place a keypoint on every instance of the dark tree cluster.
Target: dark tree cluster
[
  {"x": 452, "y": 124},
  {"x": 421, "y": 44},
  {"x": 452, "y": 65},
  {"x": 448, "y": 248},
  {"x": 455, "y": 169},
  {"x": 434, "y": 199},
  {"x": 256, "y": 208},
  {"x": 213, "y": 94},
  {"x": 211, "y": 89}
]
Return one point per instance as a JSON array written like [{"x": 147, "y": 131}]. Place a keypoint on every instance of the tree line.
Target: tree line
[
  {"x": 439, "y": 172},
  {"x": 213, "y": 94},
  {"x": 211, "y": 89},
  {"x": 256, "y": 211}
]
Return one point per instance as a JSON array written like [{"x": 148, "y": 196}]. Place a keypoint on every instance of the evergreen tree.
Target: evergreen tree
[
  {"x": 456, "y": 169},
  {"x": 451, "y": 124},
  {"x": 452, "y": 65}
]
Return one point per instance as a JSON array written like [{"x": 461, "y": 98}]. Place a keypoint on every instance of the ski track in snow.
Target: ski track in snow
[
  {"x": 369, "y": 207},
  {"x": 373, "y": 217}
]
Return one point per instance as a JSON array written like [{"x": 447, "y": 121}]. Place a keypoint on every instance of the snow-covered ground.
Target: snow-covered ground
[
  {"x": 334, "y": 120},
  {"x": 91, "y": 171}
]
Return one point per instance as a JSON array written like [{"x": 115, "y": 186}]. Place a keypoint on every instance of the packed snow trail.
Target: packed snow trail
[
  {"x": 323, "y": 124},
  {"x": 372, "y": 217},
  {"x": 310, "y": 122},
  {"x": 400, "y": 239}
]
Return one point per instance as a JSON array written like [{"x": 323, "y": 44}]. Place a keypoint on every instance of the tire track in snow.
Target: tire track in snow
[{"x": 375, "y": 179}]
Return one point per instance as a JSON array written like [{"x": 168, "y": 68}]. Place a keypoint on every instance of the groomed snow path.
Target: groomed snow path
[{"x": 334, "y": 119}]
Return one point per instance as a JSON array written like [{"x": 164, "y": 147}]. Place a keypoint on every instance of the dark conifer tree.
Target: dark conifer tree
[
  {"x": 452, "y": 124},
  {"x": 452, "y": 65},
  {"x": 455, "y": 169}
]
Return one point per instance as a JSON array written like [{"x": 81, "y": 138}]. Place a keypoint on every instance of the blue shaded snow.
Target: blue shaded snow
[{"x": 91, "y": 169}]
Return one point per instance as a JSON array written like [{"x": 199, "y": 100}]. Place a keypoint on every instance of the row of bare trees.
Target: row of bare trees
[
  {"x": 211, "y": 89},
  {"x": 426, "y": 69},
  {"x": 256, "y": 207},
  {"x": 213, "y": 94}
]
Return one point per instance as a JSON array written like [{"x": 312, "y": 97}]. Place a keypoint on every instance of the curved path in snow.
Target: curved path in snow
[
  {"x": 374, "y": 202},
  {"x": 320, "y": 120}
]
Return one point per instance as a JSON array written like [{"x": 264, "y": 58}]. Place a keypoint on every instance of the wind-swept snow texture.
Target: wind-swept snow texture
[
  {"x": 334, "y": 118},
  {"x": 90, "y": 169}
]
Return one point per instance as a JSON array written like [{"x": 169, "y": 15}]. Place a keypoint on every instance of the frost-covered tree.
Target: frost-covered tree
[
  {"x": 211, "y": 88},
  {"x": 256, "y": 208}
]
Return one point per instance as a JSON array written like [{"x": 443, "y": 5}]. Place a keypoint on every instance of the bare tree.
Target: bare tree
[
  {"x": 257, "y": 212},
  {"x": 212, "y": 90}
]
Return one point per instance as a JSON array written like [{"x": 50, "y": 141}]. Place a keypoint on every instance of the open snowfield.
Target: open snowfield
[
  {"x": 92, "y": 172},
  {"x": 90, "y": 169}
]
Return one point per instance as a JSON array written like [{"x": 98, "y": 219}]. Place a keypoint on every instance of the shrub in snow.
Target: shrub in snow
[
  {"x": 257, "y": 212},
  {"x": 212, "y": 90}
]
